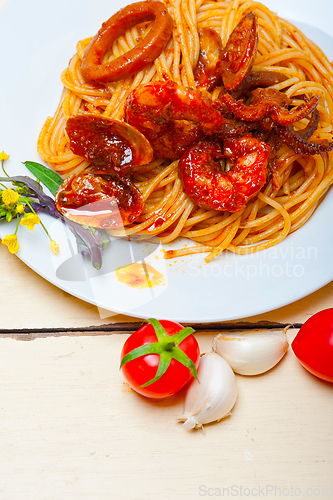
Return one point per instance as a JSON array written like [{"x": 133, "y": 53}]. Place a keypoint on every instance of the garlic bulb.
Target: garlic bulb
[
  {"x": 251, "y": 352},
  {"x": 213, "y": 397}
]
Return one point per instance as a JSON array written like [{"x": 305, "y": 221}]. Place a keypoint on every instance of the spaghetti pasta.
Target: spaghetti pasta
[{"x": 296, "y": 182}]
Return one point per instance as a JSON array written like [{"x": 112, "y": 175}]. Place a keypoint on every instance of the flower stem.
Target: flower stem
[
  {"x": 33, "y": 211},
  {"x": 3, "y": 168},
  {"x": 17, "y": 223}
]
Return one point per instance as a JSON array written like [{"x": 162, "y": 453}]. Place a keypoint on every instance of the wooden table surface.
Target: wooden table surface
[{"x": 71, "y": 428}]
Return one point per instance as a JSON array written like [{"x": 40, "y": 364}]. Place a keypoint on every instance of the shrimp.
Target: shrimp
[
  {"x": 210, "y": 187},
  {"x": 171, "y": 117}
]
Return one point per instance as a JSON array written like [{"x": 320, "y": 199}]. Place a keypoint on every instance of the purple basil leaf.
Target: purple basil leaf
[
  {"x": 34, "y": 187},
  {"x": 89, "y": 240}
]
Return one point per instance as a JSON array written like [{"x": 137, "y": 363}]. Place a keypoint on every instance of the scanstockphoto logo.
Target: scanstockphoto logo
[
  {"x": 277, "y": 262},
  {"x": 102, "y": 285},
  {"x": 265, "y": 491}
]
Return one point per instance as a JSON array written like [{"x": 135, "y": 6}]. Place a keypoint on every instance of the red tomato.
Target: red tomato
[
  {"x": 313, "y": 345},
  {"x": 144, "y": 368}
]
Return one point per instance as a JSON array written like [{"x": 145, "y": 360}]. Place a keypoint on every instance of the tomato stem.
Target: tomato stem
[{"x": 169, "y": 346}]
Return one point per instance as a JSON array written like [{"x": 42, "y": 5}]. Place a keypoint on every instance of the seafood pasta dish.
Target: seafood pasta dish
[{"x": 209, "y": 120}]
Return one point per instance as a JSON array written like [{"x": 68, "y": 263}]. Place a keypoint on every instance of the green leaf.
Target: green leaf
[
  {"x": 154, "y": 348},
  {"x": 183, "y": 358},
  {"x": 165, "y": 360},
  {"x": 182, "y": 335},
  {"x": 161, "y": 334},
  {"x": 48, "y": 177}
]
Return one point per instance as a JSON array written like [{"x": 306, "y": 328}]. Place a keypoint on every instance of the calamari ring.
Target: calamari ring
[{"x": 135, "y": 59}]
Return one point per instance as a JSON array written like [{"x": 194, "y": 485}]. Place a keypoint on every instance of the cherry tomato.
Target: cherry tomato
[
  {"x": 171, "y": 348},
  {"x": 313, "y": 345}
]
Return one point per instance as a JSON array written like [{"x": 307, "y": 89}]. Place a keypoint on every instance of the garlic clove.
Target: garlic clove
[
  {"x": 213, "y": 397},
  {"x": 251, "y": 352}
]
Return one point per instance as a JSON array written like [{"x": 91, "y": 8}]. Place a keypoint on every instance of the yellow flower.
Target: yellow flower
[
  {"x": 3, "y": 156},
  {"x": 11, "y": 242},
  {"x": 54, "y": 247},
  {"x": 9, "y": 196},
  {"x": 29, "y": 220},
  {"x": 19, "y": 208}
]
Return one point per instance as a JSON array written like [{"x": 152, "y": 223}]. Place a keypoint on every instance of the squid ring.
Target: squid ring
[{"x": 135, "y": 59}]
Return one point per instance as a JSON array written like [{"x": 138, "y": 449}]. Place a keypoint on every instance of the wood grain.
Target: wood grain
[{"x": 71, "y": 428}]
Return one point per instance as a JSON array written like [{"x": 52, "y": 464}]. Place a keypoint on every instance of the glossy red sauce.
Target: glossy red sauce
[
  {"x": 171, "y": 117},
  {"x": 205, "y": 74},
  {"x": 99, "y": 200},
  {"x": 109, "y": 145},
  {"x": 96, "y": 140}
]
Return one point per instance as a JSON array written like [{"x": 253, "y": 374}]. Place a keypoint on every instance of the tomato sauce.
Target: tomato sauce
[{"x": 99, "y": 201}]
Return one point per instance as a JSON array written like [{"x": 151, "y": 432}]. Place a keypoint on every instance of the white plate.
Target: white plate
[{"x": 37, "y": 39}]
